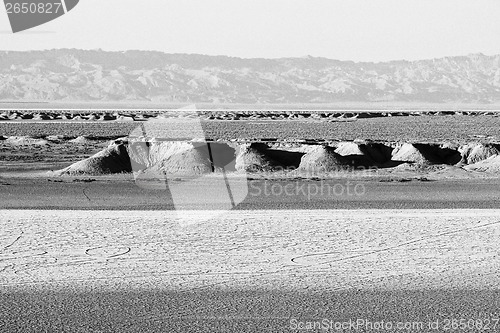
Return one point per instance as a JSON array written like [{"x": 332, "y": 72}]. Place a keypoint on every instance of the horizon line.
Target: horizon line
[{"x": 255, "y": 58}]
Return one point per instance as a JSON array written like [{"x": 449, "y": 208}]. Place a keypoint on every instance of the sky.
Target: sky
[{"x": 358, "y": 30}]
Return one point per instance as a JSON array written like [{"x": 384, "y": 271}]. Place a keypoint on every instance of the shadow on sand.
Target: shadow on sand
[{"x": 233, "y": 310}]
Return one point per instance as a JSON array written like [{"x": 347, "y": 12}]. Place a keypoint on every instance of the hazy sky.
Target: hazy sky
[{"x": 359, "y": 30}]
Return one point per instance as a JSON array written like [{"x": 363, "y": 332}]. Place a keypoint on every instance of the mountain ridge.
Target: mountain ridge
[{"x": 96, "y": 75}]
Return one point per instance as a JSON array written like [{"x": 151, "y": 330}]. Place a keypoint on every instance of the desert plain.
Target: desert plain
[{"x": 389, "y": 216}]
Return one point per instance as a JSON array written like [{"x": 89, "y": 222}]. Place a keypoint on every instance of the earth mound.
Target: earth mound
[
  {"x": 185, "y": 158},
  {"x": 411, "y": 153},
  {"x": 81, "y": 140},
  {"x": 160, "y": 157},
  {"x": 491, "y": 165},
  {"x": 364, "y": 154},
  {"x": 255, "y": 157},
  {"x": 349, "y": 149},
  {"x": 42, "y": 116},
  {"x": 426, "y": 154},
  {"x": 473, "y": 153},
  {"x": 180, "y": 158},
  {"x": 113, "y": 159},
  {"x": 125, "y": 118},
  {"x": 323, "y": 159}
]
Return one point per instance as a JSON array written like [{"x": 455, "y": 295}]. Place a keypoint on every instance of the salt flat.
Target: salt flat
[
  {"x": 276, "y": 249},
  {"x": 245, "y": 271}
]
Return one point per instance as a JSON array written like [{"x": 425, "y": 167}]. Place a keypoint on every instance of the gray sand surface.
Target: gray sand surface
[{"x": 121, "y": 193}]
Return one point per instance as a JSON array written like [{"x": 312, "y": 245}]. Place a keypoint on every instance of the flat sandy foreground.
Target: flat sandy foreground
[{"x": 246, "y": 271}]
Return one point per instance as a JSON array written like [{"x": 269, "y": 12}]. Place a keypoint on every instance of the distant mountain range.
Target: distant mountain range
[{"x": 77, "y": 75}]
